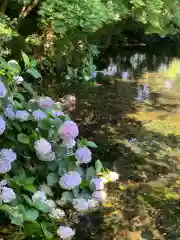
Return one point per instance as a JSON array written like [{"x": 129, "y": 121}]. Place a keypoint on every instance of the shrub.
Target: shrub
[{"x": 47, "y": 172}]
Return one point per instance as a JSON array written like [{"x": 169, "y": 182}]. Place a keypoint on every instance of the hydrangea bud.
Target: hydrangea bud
[
  {"x": 93, "y": 203},
  {"x": 70, "y": 180},
  {"x": 7, "y": 194},
  {"x": 57, "y": 213},
  {"x": 65, "y": 232},
  {"x": 3, "y": 90},
  {"x": 96, "y": 184},
  {"x": 39, "y": 115},
  {"x": 2, "y": 125},
  {"x": 100, "y": 196},
  {"x": 68, "y": 129},
  {"x": 22, "y": 115},
  {"x": 80, "y": 204},
  {"x": 45, "y": 102},
  {"x": 83, "y": 155},
  {"x": 42, "y": 146},
  {"x": 8, "y": 112},
  {"x": 39, "y": 195},
  {"x": 68, "y": 142}
]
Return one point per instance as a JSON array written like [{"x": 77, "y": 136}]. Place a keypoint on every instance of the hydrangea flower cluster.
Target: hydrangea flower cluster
[
  {"x": 2, "y": 125},
  {"x": 18, "y": 79},
  {"x": 3, "y": 90},
  {"x": 6, "y": 194},
  {"x": 80, "y": 204},
  {"x": 44, "y": 150},
  {"x": 39, "y": 115},
  {"x": 22, "y": 115},
  {"x": 70, "y": 180},
  {"x": 65, "y": 232},
  {"x": 7, "y": 157},
  {"x": 83, "y": 155},
  {"x": 45, "y": 102},
  {"x": 96, "y": 184},
  {"x": 68, "y": 132},
  {"x": 9, "y": 112}
]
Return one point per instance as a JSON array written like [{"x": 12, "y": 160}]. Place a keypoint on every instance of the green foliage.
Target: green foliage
[{"x": 38, "y": 159}]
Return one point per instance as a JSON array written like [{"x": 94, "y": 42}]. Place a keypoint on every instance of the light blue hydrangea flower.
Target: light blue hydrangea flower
[
  {"x": 57, "y": 113},
  {"x": 7, "y": 194},
  {"x": 2, "y": 125},
  {"x": 8, "y": 112},
  {"x": 70, "y": 180},
  {"x": 5, "y": 166},
  {"x": 22, "y": 115},
  {"x": 45, "y": 102},
  {"x": 7, "y": 155},
  {"x": 39, "y": 115},
  {"x": 3, "y": 90}
]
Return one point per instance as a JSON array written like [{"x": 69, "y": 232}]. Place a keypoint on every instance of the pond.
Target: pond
[{"x": 139, "y": 140}]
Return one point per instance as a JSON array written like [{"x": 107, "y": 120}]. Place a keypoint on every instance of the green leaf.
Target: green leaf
[
  {"x": 25, "y": 58},
  {"x": 90, "y": 173},
  {"x": 67, "y": 196},
  {"x": 98, "y": 166},
  {"x": 46, "y": 232},
  {"x": 91, "y": 144},
  {"x": 30, "y": 214},
  {"x": 27, "y": 199},
  {"x": 52, "y": 179},
  {"x": 34, "y": 73},
  {"x": 23, "y": 138},
  {"x": 33, "y": 229},
  {"x": 28, "y": 87},
  {"x": 41, "y": 206},
  {"x": 33, "y": 63},
  {"x": 30, "y": 188}
]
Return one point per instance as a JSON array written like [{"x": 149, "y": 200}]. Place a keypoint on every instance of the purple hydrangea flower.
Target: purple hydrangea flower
[{"x": 83, "y": 155}]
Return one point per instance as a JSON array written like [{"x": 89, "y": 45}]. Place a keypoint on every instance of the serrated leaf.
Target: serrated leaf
[
  {"x": 98, "y": 166},
  {"x": 52, "y": 179},
  {"x": 25, "y": 58},
  {"x": 41, "y": 206},
  {"x": 23, "y": 138},
  {"x": 46, "y": 232},
  {"x": 30, "y": 214},
  {"x": 90, "y": 173},
  {"x": 34, "y": 73},
  {"x": 91, "y": 144}
]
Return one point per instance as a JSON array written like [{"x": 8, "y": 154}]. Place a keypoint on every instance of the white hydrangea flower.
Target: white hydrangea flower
[
  {"x": 18, "y": 79},
  {"x": 5, "y": 166},
  {"x": 50, "y": 203},
  {"x": 80, "y": 204},
  {"x": 3, "y": 90},
  {"x": 65, "y": 232},
  {"x": 42, "y": 146},
  {"x": 68, "y": 142},
  {"x": 22, "y": 115},
  {"x": 83, "y": 155},
  {"x": 45, "y": 102},
  {"x": 7, "y": 194},
  {"x": 100, "y": 196},
  {"x": 39, "y": 195},
  {"x": 13, "y": 62},
  {"x": 70, "y": 180},
  {"x": 39, "y": 115},
  {"x": 93, "y": 203},
  {"x": 2, "y": 125},
  {"x": 104, "y": 179},
  {"x": 96, "y": 184},
  {"x": 57, "y": 213},
  {"x": 48, "y": 157},
  {"x": 7, "y": 155},
  {"x": 112, "y": 176},
  {"x": 8, "y": 112}
]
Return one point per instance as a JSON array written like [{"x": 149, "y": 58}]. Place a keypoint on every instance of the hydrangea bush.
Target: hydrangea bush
[{"x": 47, "y": 171}]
